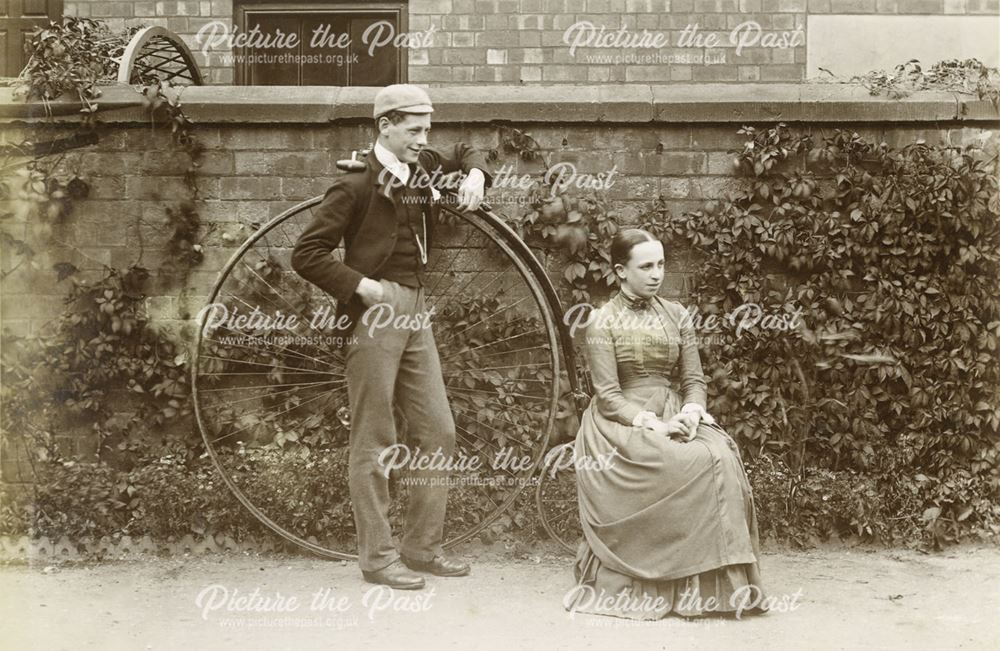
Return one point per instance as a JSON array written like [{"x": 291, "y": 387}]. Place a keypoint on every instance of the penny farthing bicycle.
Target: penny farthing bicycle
[{"x": 271, "y": 396}]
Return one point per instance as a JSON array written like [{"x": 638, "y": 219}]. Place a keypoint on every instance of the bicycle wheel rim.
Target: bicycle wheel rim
[{"x": 203, "y": 416}]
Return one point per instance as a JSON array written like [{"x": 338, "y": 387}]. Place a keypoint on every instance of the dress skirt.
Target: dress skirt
[{"x": 668, "y": 526}]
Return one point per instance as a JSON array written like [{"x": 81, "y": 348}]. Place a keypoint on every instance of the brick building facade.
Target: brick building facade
[{"x": 530, "y": 41}]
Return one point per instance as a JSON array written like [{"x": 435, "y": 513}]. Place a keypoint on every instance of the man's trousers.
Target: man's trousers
[{"x": 390, "y": 365}]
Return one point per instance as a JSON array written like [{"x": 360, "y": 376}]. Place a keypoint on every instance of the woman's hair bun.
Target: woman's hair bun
[{"x": 624, "y": 240}]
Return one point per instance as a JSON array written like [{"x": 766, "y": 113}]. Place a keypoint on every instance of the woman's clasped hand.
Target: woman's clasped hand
[{"x": 680, "y": 427}]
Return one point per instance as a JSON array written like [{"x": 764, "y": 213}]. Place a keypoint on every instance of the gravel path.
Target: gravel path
[{"x": 825, "y": 599}]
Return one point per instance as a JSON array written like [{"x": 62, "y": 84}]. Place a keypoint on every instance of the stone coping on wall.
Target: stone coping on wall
[{"x": 626, "y": 103}]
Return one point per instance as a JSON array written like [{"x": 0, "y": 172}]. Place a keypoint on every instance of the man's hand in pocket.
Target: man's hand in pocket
[{"x": 370, "y": 292}]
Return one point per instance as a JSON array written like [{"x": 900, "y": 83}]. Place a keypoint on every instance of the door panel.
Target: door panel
[
  {"x": 18, "y": 18},
  {"x": 325, "y": 62}
]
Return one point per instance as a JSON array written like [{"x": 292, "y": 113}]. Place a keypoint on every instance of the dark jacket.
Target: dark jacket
[{"x": 368, "y": 238}]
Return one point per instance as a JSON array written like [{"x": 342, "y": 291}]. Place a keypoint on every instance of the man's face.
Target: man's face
[{"x": 405, "y": 138}]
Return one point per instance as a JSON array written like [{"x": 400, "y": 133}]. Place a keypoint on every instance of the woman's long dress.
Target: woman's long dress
[{"x": 668, "y": 526}]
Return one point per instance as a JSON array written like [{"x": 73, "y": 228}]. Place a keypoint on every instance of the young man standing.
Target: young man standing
[{"x": 385, "y": 214}]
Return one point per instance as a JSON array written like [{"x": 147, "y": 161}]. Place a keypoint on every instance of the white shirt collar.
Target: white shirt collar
[
  {"x": 391, "y": 162},
  {"x": 397, "y": 168}
]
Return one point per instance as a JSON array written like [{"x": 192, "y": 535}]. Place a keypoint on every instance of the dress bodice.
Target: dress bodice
[{"x": 638, "y": 343}]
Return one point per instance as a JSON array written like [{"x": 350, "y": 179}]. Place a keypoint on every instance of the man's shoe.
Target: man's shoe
[
  {"x": 394, "y": 576},
  {"x": 438, "y": 566}
]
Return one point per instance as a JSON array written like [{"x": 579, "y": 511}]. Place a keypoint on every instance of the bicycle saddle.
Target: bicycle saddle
[{"x": 352, "y": 164}]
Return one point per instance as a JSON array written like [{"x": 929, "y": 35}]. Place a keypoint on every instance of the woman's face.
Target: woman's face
[{"x": 643, "y": 274}]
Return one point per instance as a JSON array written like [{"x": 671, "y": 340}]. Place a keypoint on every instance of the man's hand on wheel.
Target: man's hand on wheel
[{"x": 472, "y": 190}]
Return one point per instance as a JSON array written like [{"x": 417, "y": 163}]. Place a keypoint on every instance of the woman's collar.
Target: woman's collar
[{"x": 633, "y": 301}]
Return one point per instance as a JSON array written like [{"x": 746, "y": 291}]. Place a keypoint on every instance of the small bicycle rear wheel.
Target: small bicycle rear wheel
[
  {"x": 556, "y": 497},
  {"x": 270, "y": 393}
]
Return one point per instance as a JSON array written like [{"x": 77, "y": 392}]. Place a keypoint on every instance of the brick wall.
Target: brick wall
[
  {"x": 253, "y": 169},
  {"x": 522, "y": 41}
]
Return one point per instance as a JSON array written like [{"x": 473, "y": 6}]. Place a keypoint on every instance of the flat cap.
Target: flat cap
[{"x": 402, "y": 97}]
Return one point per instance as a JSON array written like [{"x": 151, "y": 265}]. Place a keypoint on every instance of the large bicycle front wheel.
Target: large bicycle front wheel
[{"x": 270, "y": 392}]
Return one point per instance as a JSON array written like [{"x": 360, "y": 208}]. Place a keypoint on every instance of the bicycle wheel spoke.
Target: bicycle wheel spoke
[
  {"x": 516, "y": 395},
  {"x": 283, "y": 350},
  {"x": 488, "y": 441},
  {"x": 437, "y": 298},
  {"x": 508, "y": 408},
  {"x": 493, "y": 343},
  {"x": 253, "y": 307},
  {"x": 524, "y": 379},
  {"x": 474, "y": 438},
  {"x": 258, "y": 373},
  {"x": 511, "y": 352},
  {"x": 501, "y": 368},
  {"x": 271, "y": 287},
  {"x": 563, "y": 515},
  {"x": 294, "y": 387},
  {"x": 486, "y": 318},
  {"x": 295, "y": 311},
  {"x": 240, "y": 361},
  {"x": 453, "y": 259},
  {"x": 243, "y": 429},
  {"x": 267, "y": 386}
]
